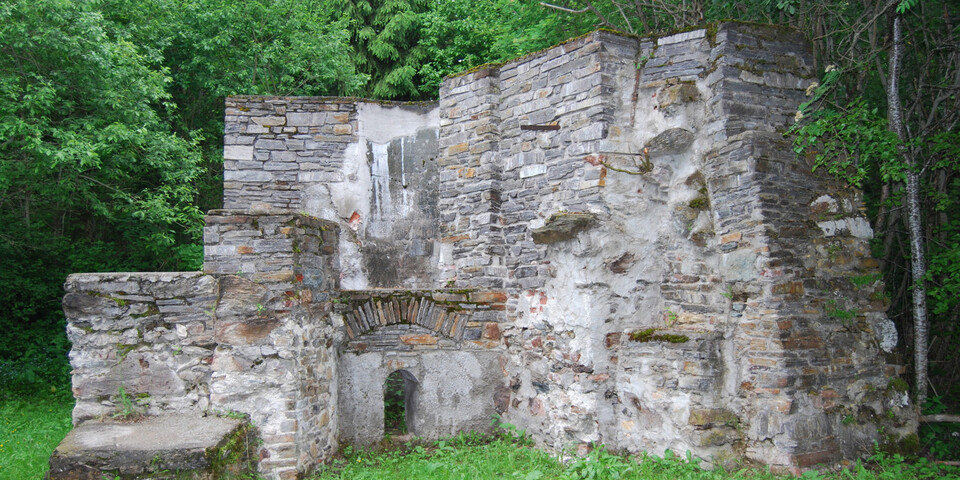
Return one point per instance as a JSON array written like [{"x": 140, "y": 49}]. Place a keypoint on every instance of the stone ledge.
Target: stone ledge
[{"x": 169, "y": 446}]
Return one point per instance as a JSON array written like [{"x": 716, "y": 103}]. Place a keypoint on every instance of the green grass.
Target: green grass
[
  {"x": 31, "y": 427},
  {"x": 473, "y": 457}
]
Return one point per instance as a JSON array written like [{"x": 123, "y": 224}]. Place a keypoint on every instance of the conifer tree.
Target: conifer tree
[{"x": 385, "y": 36}]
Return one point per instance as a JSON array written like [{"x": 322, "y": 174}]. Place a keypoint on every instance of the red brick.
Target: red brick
[{"x": 816, "y": 458}]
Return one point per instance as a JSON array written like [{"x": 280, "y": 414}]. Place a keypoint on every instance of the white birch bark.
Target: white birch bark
[{"x": 914, "y": 221}]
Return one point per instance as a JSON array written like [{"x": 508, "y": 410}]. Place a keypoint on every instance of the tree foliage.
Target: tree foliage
[
  {"x": 385, "y": 37},
  {"x": 460, "y": 34},
  {"x": 92, "y": 177}
]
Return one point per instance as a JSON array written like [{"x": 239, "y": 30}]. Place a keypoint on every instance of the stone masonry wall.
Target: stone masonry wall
[
  {"x": 150, "y": 333},
  {"x": 447, "y": 342},
  {"x": 649, "y": 209},
  {"x": 608, "y": 241},
  {"x": 343, "y": 160},
  {"x": 275, "y": 358},
  {"x": 275, "y": 147},
  {"x": 253, "y": 335}
]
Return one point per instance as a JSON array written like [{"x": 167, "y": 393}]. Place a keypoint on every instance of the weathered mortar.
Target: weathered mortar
[
  {"x": 606, "y": 241},
  {"x": 371, "y": 165}
]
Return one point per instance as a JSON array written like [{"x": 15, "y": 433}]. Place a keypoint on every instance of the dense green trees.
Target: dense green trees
[{"x": 92, "y": 176}]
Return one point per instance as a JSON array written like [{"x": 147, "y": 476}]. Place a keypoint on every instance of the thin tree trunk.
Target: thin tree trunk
[{"x": 917, "y": 263}]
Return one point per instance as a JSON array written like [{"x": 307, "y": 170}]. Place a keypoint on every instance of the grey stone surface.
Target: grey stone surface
[
  {"x": 169, "y": 446},
  {"x": 697, "y": 312}
]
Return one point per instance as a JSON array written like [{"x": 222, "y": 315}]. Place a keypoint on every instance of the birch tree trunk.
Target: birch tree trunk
[{"x": 914, "y": 222}]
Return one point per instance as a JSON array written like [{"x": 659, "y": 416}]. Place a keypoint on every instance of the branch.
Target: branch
[
  {"x": 565, "y": 9},
  {"x": 940, "y": 418}
]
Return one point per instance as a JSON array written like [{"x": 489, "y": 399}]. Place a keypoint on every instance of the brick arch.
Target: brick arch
[{"x": 374, "y": 313}]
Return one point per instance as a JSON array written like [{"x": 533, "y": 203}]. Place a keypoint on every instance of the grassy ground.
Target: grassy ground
[
  {"x": 30, "y": 429},
  {"x": 475, "y": 458},
  {"x": 32, "y": 426}
]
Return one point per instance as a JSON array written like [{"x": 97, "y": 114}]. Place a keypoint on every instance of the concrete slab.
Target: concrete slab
[{"x": 168, "y": 446}]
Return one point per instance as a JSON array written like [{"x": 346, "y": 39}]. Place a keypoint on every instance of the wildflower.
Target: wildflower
[
  {"x": 798, "y": 116},
  {"x": 830, "y": 68},
  {"x": 813, "y": 86}
]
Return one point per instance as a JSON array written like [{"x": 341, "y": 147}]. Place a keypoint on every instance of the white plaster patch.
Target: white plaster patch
[
  {"x": 855, "y": 226},
  {"x": 380, "y": 124},
  {"x": 887, "y": 334},
  {"x": 900, "y": 399},
  {"x": 739, "y": 266},
  {"x": 830, "y": 202},
  {"x": 860, "y": 228},
  {"x": 831, "y": 227}
]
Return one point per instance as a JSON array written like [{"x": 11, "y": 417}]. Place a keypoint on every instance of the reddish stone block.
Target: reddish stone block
[
  {"x": 458, "y": 148},
  {"x": 816, "y": 458},
  {"x": 455, "y": 238},
  {"x": 488, "y": 297},
  {"x": 763, "y": 362},
  {"x": 802, "y": 343},
  {"x": 731, "y": 237},
  {"x": 788, "y": 288},
  {"x": 491, "y": 331},
  {"x": 422, "y": 339}
]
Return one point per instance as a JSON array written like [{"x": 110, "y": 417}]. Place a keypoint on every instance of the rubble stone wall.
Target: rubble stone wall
[
  {"x": 149, "y": 333},
  {"x": 655, "y": 234},
  {"x": 608, "y": 241}
]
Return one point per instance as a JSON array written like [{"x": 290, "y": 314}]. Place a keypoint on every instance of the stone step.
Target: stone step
[{"x": 161, "y": 447}]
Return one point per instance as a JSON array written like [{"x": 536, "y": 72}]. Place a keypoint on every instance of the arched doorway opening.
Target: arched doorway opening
[{"x": 399, "y": 403}]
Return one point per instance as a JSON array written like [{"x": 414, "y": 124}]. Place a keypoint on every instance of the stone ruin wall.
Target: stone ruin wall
[
  {"x": 725, "y": 239},
  {"x": 607, "y": 241}
]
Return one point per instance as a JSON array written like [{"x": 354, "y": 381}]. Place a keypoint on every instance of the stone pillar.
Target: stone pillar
[
  {"x": 794, "y": 249},
  {"x": 471, "y": 227},
  {"x": 275, "y": 358}
]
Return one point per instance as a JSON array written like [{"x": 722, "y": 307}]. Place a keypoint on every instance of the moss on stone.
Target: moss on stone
[
  {"x": 897, "y": 384},
  {"x": 651, "y": 335},
  {"x": 908, "y": 444},
  {"x": 151, "y": 310},
  {"x": 700, "y": 203},
  {"x": 234, "y": 457}
]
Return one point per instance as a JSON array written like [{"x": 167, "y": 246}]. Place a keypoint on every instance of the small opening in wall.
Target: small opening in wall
[{"x": 399, "y": 402}]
